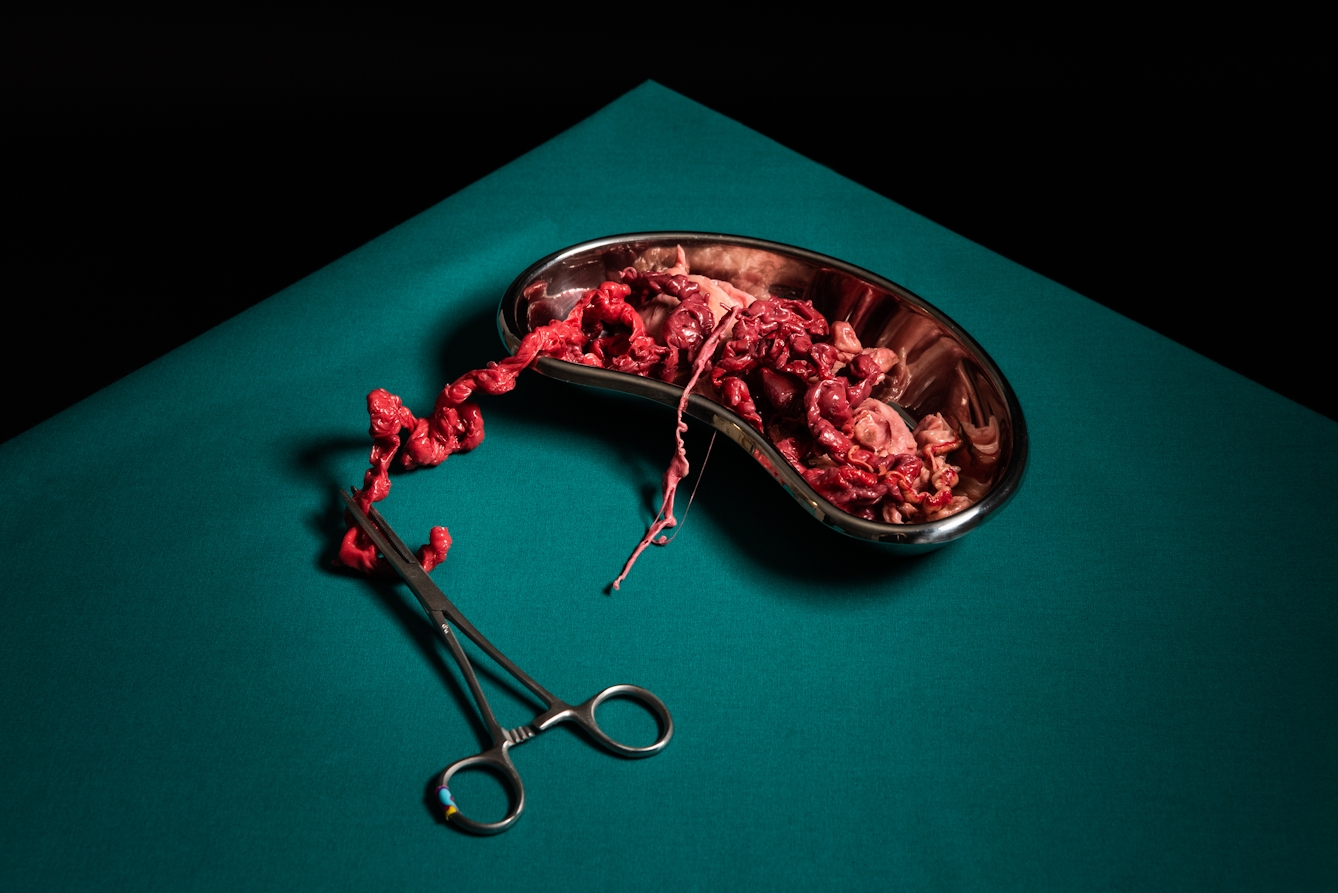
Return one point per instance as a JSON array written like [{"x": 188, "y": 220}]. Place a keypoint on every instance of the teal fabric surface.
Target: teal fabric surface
[{"x": 1124, "y": 681}]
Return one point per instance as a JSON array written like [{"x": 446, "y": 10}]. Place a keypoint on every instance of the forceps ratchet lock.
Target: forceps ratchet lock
[{"x": 443, "y": 615}]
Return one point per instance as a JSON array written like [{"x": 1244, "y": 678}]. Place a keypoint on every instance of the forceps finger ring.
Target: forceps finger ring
[
  {"x": 583, "y": 715},
  {"x": 497, "y": 759}
]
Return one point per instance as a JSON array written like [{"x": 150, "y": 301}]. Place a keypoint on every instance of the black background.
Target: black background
[{"x": 164, "y": 178}]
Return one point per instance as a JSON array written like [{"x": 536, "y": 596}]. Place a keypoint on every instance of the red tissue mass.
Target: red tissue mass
[{"x": 803, "y": 383}]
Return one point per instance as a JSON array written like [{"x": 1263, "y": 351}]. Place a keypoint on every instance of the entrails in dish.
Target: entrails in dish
[{"x": 809, "y": 363}]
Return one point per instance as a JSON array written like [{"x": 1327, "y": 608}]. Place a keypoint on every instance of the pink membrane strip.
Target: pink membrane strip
[{"x": 678, "y": 466}]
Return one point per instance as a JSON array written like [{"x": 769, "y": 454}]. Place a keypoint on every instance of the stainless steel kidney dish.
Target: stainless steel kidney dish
[{"x": 942, "y": 369}]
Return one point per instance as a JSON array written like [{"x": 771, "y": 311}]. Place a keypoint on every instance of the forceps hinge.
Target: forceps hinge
[{"x": 519, "y": 735}]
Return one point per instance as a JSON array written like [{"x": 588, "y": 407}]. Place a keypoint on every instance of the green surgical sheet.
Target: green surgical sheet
[{"x": 1125, "y": 680}]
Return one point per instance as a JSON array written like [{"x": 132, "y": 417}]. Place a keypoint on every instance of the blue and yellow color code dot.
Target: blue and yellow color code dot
[{"x": 447, "y": 801}]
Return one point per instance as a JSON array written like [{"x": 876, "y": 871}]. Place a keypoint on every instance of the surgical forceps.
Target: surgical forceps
[{"x": 497, "y": 757}]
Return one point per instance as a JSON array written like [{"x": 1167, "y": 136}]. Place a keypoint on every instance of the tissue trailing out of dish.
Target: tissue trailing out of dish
[{"x": 806, "y": 384}]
